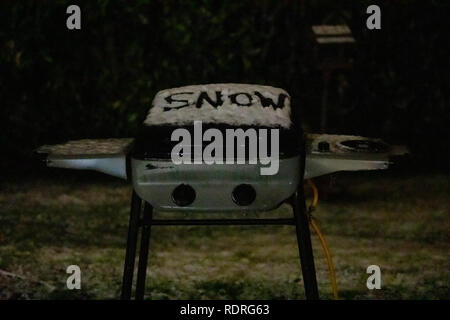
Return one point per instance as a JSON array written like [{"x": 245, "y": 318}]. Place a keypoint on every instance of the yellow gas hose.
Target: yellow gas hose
[{"x": 323, "y": 242}]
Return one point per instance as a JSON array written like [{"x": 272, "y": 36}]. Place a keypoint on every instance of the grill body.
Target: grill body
[
  {"x": 155, "y": 180},
  {"x": 238, "y": 185}
]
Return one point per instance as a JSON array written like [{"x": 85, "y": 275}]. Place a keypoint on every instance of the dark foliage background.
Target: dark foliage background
[{"x": 57, "y": 84}]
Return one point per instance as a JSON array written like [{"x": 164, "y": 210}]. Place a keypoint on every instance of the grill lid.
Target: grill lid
[{"x": 219, "y": 106}]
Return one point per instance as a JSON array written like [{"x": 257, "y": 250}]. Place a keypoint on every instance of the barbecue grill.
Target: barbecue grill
[{"x": 234, "y": 181}]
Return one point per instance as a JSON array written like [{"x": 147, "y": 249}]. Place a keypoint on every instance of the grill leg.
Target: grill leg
[
  {"x": 143, "y": 252},
  {"x": 304, "y": 245},
  {"x": 130, "y": 255}
]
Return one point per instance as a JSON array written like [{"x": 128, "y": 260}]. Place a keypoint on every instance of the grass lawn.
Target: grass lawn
[{"x": 398, "y": 222}]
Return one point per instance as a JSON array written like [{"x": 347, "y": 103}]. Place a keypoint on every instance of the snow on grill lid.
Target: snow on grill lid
[{"x": 232, "y": 104}]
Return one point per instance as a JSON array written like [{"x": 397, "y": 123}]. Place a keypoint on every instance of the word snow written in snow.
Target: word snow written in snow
[{"x": 233, "y": 104}]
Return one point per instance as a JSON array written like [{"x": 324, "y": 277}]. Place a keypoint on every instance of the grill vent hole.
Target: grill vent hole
[
  {"x": 243, "y": 195},
  {"x": 183, "y": 195}
]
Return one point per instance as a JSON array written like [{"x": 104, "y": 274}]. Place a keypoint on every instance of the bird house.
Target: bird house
[{"x": 333, "y": 48}]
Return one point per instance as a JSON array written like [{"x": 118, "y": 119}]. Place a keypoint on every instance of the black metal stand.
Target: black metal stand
[
  {"x": 133, "y": 228},
  {"x": 300, "y": 220}
]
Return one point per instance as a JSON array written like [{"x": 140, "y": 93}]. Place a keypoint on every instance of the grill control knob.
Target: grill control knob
[
  {"x": 183, "y": 195},
  {"x": 243, "y": 195}
]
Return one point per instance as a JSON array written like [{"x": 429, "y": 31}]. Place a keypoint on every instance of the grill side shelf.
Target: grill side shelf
[{"x": 108, "y": 156}]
